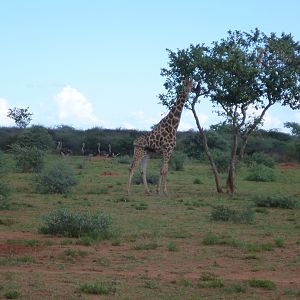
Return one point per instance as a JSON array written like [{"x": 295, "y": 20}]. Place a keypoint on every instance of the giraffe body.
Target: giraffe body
[{"x": 162, "y": 139}]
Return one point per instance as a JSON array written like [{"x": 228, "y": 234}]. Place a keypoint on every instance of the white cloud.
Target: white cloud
[
  {"x": 4, "y": 120},
  {"x": 74, "y": 108},
  {"x": 145, "y": 121}
]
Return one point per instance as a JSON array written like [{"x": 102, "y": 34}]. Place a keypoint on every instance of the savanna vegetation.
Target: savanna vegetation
[{"x": 67, "y": 230}]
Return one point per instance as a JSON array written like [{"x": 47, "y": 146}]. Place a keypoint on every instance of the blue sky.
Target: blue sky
[{"x": 97, "y": 63}]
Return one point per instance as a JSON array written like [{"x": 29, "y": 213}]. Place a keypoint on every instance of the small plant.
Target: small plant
[
  {"x": 226, "y": 214},
  {"x": 12, "y": 294},
  {"x": 261, "y": 173},
  {"x": 197, "y": 181},
  {"x": 278, "y": 201},
  {"x": 211, "y": 239},
  {"x": 172, "y": 247},
  {"x": 99, "y": 288},
  {"x": 210, "y": 280},
  {"x": 28, "y": 159},
  {"x": 262, "y": 283},
  {"x": 75, "y": 224},
  {"x": 140, "y": 206},
  {"x": 259, "y": 158},
  {"x": 56, "y": 178},
  {"x": 152, "y": 178},
  {"x": 177, "y": 161},
  {"x": 146, "y": 246},
  {"x": 279, "y": 242},
  {"x": 125, "y": 159}
]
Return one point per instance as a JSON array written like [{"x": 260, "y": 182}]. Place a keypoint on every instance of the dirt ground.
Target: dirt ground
[{"x": 52, "y": 262}]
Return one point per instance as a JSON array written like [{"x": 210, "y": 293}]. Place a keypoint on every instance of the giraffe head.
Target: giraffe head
[{"x": 188, "y": 84}]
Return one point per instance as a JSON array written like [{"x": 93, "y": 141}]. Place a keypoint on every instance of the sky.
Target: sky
[{"x": 93, "y": 63}]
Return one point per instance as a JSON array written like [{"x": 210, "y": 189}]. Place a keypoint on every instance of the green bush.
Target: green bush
[
  {"x": 5, "y": 190},
  {"x": 28, "y": 159},
  {"x": 75, "y": 224},
  {"x": 261, "y": 173},
  {"x": 177, "y": 161},
  {"x": 36, "y": 136},
  {"x": 221, "y": 159},
  {"x": 99, "y": 288},
  {"x": 125, "y": 159},
  {"x": 152, "y": 178},
  {"x": 227, "y": 214},
  {"x": 275, "y": 201},
  {"x": 58, "y": 178},
  {"x": 262, "y": 283},
  {"x": 259, "y": 158}
]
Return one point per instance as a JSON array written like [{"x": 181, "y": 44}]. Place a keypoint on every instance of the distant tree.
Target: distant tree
[
  {"x": 21, "y": 116},
  {"x": 295, "y": 127}
]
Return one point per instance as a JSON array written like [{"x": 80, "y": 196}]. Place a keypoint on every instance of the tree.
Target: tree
[
  {"x": 243, "y": 75},
  {"x": 21, "y": 116},
  {"x": 295, "y": 127},
  {"x": 193, "y": 63}
]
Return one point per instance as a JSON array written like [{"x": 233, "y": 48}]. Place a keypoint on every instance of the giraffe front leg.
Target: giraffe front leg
[
  {"x": 137, "y": 156},
  {"x": 144, "y": 164},
  {"x": 163, "y": 174}
]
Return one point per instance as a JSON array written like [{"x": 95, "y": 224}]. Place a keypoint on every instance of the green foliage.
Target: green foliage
[
  {"x": 140, "y": 206},
  {"x": 197, "y": 181},
  {"x": 172, "y": 247},
  {"x": 221, "y": 160},
  {"x": 277, "y": 201},
  {"x": 261, "y": 173},
  {"x": 5, "y": 190},
  {"x": 259, "y": 158},
  {"x": 210, "y": 280},
  {"x": 12, "y": 294},
  {"x": 262, "y": 283},
  {"x": 227, "y": 214},
  {"x": 152, "y": 177},
  {"x": 124, "y": 159},
  {"x": 146, "y": 246},
  {"x": 58, "y": 177},
  {"x": 36, "y": 136},
  {"x": 75, "y": 224},
  {"x": 28, "y": 159},
  {"x": 21, "y": 116},
  {"x": 99, "y": 288},
  {"x": 177, "y": 161}
]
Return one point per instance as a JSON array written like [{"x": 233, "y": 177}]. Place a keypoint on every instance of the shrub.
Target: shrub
[
  {"x": 262, "y": 283},
  {"x": 100, "y": 288},
  {"x": 221, "y": 160},
  {"x": 75, "y": 224},
  {"x": 36, "y": 136},
  {"x": 125, "y": 159},
  {"x": 56, "y": 178},
  {"x": 275, "y": 201},
  {"x": 5, "y": 190},
  {"x": 152, "y": 178},
  {"x": 197, "y": 181},
  {"x": 177, "y": 161},
  {"x": 261, "y": 173},
  {"x": 226, "y": 214},
  {"x": 259, "y": 159},
  {"x": 28, "y": 159}
]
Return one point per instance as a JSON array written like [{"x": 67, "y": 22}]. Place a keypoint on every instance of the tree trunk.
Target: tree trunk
[
  {"x": 230, "y": 184},
  {"x": 243, "y": 146},
  {"x": 210, "y": 157}
]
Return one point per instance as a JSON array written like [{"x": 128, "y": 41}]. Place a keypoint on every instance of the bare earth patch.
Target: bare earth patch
[{"x": 57, "y": 268}]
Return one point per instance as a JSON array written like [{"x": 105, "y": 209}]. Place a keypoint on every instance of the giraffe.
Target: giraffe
[{"x": 162, "y": 139}]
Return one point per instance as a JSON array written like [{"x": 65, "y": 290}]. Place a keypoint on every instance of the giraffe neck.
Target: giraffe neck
[{"x": 173, "y": 117}]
